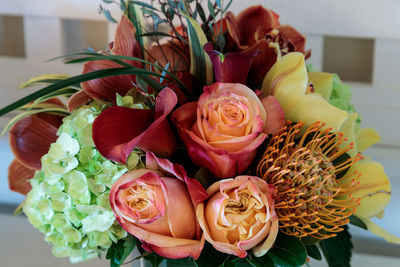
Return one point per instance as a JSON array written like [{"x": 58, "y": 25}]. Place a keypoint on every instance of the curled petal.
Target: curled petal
[
  {"x": 379, "y": 231},
  {"x": 125, "y": 42},
  {"x": 18, "y": 177},
  {"x": 118, "y": 130},
  {"x": 252, "y": 19},
  {"x": 233, "y": 67},
  {"x": 294, "y": 40},
  {"x": 366, "y": 137},
  {"x": 30, "y": 138},
  {"x": 78, "y": 99},
  {"x": 322, "y": 83}
]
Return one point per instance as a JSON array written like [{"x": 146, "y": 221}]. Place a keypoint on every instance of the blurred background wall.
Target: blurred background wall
[{"x": 358, "y": 39}]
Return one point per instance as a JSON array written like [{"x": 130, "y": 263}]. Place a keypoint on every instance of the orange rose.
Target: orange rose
[
  {"x": 225, "y": 127},
  {"x": 239, "y": 215},
  {"x": 157, "y": 206}
]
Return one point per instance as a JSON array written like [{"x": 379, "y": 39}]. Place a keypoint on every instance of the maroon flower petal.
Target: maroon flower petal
[
  {"x": 78, "y": 99},
  {"x": 118, "y": 130},
  {"x": 105, "y": 89},
  {"x": 18, "y": 177},
  {"x": 234, "y": 67},
  {"x": 252, "y": 19},
  {"x": 125, "y": 44},
  {"x": 30, "y": 138}
]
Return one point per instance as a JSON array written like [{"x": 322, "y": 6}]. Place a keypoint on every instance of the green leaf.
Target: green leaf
[
  {"x": 308, "y": 240},
  {"x": 200, "y": 63},
  {"x": 264, "y": 261},
  {"x": 118, "y": 252},
  {"x": 156, "y": 34},
  {"x": 354, "y": 220},
  {"x": 108, "y": 16},
  {"x": 205, "y": 177},
  {"x": 337, "y": 250},
  {"x": 143, "y": 4},
  {"x": 180, "y": 262},
  {"x": 154, "y": 259},
  {"x": 118, "y": 59},
  {"x": 44, "y": 79},
  {"x": 211, "y": 9},
  {"x": 211, "y": 257},
  {"x": 313, "y": 252},
  {"x": 78, "y": 79},
  {"x": 200, "y": 10},
  {"x": 136, "y": 18},
  {"x": 288, "y": 251}
]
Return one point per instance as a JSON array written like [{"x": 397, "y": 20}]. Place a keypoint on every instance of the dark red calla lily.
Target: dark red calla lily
[
  {"x": 118, "y": 130},
  {"x": 125, "y": 44},
  {"x": 232, "y": 67},
  {"x": 254, "y": 29},
  {"x": 30, "y": 138}
]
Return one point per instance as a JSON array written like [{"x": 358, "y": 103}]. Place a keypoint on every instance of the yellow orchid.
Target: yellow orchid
[{"x": 290, "y": 83}]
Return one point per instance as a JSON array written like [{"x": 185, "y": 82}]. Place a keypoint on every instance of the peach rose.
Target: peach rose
[
  {"x": 225, "y": 127},
  {"x": 157, "y": 206},
  {"x": 239, "y": 215}
]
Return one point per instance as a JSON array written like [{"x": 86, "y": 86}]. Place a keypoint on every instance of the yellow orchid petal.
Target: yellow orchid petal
[
  {"x": 379, "y": 231},
  {"x": 348, "y": 129},
  {"x": 374, "y": 188},
  {"x": 314, "y": 107},
  {"x": 322, "y": 83},
  {"x": 287, "y": 80},
  {"x": 366, "y": 137}
]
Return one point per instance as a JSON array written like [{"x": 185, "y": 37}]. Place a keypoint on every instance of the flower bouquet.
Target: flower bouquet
[{"x": 200, "y": 138}]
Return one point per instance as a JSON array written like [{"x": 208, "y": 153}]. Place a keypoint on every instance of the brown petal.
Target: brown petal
[
  {"x": 294, "y": 39},
  {"x": 251, "y": 20},
  {"x": 78, "y": 99},
  {"x": 30, "y": 138},
  {"x": 18, "y": 176},
  {"x": 125, "y": 43},
  {"x": 106, "y": 88}
]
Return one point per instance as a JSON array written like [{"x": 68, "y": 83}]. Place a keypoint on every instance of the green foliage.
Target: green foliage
[
  {"x": 288, "y": 251},
  {"x": 211, "y": 257},
  {"x": 205, "y": 177},
  {"x": 200, "y": 63},
  {"x": 313, "y": 252},
  {"x": 118, "y": 252},
  {"x": 337, "y": 250},
  {"x": 154, "y": 259},
  {"x": 354, "y": 220}
]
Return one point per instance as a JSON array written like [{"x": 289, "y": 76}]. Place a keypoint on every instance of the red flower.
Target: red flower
[
  {"x": 118, "y": 130},
  {"x": 254, "y": 29}
]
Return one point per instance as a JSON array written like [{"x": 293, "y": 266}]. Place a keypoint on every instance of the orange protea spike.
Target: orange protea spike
[{"x": 306, "y": 168}]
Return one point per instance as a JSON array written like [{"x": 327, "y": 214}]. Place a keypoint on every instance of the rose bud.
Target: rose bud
[
  {"x": 225, "y": 127},
  {"x": 239, "y": 215},
  {"x": 157, "y": 205}
]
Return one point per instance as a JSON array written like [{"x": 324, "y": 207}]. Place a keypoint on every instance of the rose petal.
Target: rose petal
[
  {"x": 18, "y": 177},
  {"x": 30, "y": 138},
  {"x": 179, "y": 252},
  {"x": 275, "y": 115},
  {"x": 78, "y": 99}
]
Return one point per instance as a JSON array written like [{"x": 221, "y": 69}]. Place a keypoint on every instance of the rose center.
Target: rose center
[{"x": 138, "y": 197}]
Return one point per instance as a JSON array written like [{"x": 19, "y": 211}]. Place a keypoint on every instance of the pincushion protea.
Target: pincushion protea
[{"x": 307, "y": 171}]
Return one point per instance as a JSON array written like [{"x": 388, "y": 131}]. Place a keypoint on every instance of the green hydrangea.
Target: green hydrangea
[{"x": 69, "y": 197}]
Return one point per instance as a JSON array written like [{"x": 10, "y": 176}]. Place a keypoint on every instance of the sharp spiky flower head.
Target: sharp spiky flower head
[{"x": 307, "y": 166}]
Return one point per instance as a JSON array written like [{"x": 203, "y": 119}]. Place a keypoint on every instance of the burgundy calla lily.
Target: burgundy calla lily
[
  {"x": 232, "y": 67},
  {"x": 125, "y": 44},
  {"x": 118, "y": 130}
]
